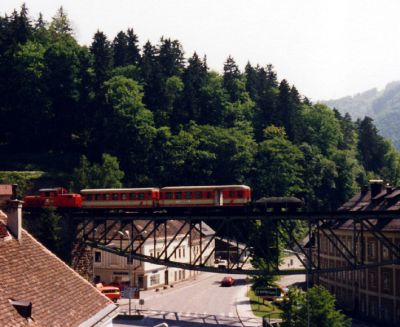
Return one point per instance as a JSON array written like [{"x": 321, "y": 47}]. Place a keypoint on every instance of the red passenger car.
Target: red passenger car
[
  {"x": 53, "y": 197},
  {"x": 205, "y": 196},
  {"x": 120, "y": 198}
]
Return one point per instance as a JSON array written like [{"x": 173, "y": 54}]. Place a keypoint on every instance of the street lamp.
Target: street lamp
[{"x": 128, "y": 235}]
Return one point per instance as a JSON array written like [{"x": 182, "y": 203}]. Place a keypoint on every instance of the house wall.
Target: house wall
[
  {"x": 373, "y": 293},
  {"x": 109, "y": 267}
]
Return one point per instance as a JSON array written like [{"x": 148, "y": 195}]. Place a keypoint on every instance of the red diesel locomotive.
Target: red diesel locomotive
[{"x": 144, "y": 198}]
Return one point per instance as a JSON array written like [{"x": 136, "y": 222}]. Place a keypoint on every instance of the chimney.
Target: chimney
[
  {"x": 376, "y": 186},
  {"x": 14, "y": 221},
  {"x": 364, "y": 189},
  {"x": 389, "y": 189}
]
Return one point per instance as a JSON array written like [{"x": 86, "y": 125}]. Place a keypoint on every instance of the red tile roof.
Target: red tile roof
[{"x": 59, "y": 296}]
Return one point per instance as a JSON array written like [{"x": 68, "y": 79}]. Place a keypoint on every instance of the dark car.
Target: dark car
[{"x": 227, "y": 281}]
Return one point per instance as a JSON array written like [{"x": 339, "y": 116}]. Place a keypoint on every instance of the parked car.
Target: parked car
[
  {"x": 222, "y": 264},
  {"x": 112, "y": 292},
  {"x": 227, "y": 281}
]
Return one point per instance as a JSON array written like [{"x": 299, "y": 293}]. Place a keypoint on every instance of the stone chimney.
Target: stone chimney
[
  {"x": 14, "y": 221},
  {"x": 376, "y": 186}
]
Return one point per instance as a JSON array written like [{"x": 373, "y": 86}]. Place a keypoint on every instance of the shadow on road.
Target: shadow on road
[{"x": 178, "y": 319}]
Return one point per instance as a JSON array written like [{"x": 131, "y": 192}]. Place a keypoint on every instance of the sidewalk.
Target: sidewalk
[{"x": 244, "y": 312}]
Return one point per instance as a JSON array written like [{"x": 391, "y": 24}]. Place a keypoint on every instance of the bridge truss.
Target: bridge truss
[{"x": 102, "y": 230}]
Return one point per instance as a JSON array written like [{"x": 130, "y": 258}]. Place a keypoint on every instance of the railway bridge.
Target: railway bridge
[{"x": 102, "y": 230}]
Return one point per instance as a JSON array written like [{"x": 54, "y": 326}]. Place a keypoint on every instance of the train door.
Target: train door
[{"x": 219, "y": 198}]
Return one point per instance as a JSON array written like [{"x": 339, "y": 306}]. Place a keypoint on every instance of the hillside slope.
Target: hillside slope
[{"x": 383, "y": 106}]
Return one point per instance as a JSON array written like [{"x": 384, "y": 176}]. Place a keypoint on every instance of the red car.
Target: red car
[{"x": 227, "y": 281}]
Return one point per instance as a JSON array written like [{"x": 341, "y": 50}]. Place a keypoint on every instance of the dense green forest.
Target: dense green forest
[{"x": 154, "y": 116}]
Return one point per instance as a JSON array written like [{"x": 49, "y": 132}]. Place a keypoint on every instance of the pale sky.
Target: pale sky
[{"x": 326, "y": 48}]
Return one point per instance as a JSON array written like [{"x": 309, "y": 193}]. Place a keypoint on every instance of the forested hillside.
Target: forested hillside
[
  {"x": 383, "y": 106},
  {"x": 164, "y": 118}
]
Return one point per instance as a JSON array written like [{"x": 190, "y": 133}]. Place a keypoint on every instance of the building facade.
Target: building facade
[
  {"x": 373, "y": 293},
  {"x": 111, "y": 268}
]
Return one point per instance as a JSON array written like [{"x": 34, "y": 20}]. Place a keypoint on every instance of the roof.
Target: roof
[
  {"x": 202, "y": 187},
  {"x": 146, "y": 229},
  {"x": 59, "y": 296},
  {"x": 110, "y": 190},
  {"x": 385, "y": 199}
]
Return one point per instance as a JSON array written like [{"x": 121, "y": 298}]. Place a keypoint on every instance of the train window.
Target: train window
[
  {"x": 168, "y": 195},
  {"x": 88, "y": 197},
  {"x": 231, "y": 194},
  {"x": 188, "y": 195},
  {"x": 46, "y": 193},
  {"x": 240, "y": 194},
  {"x": 178, "y": 195},
  {"x": 115, "y": 196},
  {"x": 141, "y": 196},
  {"x": 106, "y": 196},
  {"x": 209, "y": 195},
  {"x": 132, "y": 196},
  {"x": 97, "y": 197},
  {"x": 123, "y": 196},
  {"x": 197, "y": 195}
]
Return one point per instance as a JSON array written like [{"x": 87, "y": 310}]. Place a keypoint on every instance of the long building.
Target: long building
[
  {"x": 111, "y": 268},
  {"x": 373, "y": 293}
]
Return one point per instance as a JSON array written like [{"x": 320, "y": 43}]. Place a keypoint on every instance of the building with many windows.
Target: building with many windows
[
  {"x": 372, "y": 293},
  {"x": 111, "y": 268}
]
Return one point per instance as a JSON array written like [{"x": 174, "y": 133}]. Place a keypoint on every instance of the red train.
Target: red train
[{"x": 143, "y": 198}]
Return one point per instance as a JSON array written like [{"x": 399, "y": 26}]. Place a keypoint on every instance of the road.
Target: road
[{"x": 197, "y": 303}]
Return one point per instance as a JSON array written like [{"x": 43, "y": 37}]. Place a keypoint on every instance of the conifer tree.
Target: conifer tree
[
  {"x": 103, "y": 59},
  {"x": 60, "y": 24},
  {"x": 231, "y": 76},
  {"x": 132, "y": 51},
  {"x": 119, "y": 47}
]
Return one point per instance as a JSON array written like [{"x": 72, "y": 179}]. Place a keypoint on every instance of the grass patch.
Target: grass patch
[{"x": 263, "y": 308}]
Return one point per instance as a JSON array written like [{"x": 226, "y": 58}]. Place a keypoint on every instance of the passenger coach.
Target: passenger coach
[
  {"x": 120, "y": 198},
  {"x": 205, "y": 196}
]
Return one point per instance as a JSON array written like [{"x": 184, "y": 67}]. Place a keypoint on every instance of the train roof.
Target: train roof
[
  {"x": 202, "y": 187},
  {"x": 52, "y": 189},
  {"x": 107, "y": 190}
]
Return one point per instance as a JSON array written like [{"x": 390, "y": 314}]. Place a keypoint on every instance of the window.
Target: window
[
  {"x": 371, "y": 249},
  {"x": 385, "y": 278},
  {"x": 183, "y": 250},
  {"x": 168, "y": 195},
  {"x": 197, "y": 195},
  {"x": 141, "y": 196},
  {"x": 231, "y": 194},
  {"x": 97, "y": 256},
  {"x": 209, "y": 195},
  {"x": 132, "y": 196},
  {"x": 183, "y": 274},
  {"x": 179, "y": 252},
  {"x": 115, "y": 196},
  {"x": 240, "y": 194},
  {"x": 188, "y": 195},
  {"x": 123, "y": 196},
  {"x": 385, "y": 252},
  {"x": 180, "y": 274},
  {"x": 97, "y": 197},
  {"x": 178, "y": 195},
  {"x": 155, "y": 279},
  {"x": 176, "y": 275},
  {"x": 151, "y": 253},
  {"x": 106, "y": 196}
]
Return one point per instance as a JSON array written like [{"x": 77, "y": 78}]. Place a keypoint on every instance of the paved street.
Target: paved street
[{"x": 202, "y": 302}]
